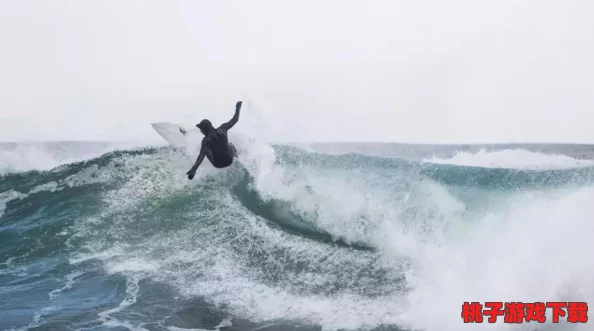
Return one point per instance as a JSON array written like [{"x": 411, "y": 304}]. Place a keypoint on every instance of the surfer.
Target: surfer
[{"x": 215, "y": 144}]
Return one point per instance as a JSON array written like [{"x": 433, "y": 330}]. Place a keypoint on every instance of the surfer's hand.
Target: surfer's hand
[
  {"x": 238, "y": 105},
  {"x": 191, "y": 173},
  {"x": 182, "y": 131}
]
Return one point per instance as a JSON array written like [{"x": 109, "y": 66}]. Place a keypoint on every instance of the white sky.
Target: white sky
[{"x": 409, "y": 71}]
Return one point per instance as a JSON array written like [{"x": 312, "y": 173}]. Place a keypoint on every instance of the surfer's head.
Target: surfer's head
[{"x": 205, "y": 127}]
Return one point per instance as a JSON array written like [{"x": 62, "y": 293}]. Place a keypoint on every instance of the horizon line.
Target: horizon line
[{"x": 321, "y": 142}]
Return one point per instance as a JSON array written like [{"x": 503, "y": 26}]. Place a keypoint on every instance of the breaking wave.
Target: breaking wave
[{"x": 287, "y": 238}]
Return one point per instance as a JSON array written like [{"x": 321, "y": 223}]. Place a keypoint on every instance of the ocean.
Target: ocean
[{"x": 350, "y": 236}]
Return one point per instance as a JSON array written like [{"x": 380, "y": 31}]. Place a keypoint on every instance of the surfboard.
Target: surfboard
[{"x": 171, "y": 132}]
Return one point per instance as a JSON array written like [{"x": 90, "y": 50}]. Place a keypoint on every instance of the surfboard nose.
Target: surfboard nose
[{"x": 170, "y": 132}]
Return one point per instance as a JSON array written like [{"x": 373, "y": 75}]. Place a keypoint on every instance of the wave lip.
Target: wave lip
[
  {"x": 43, "y": 156},
  {"x": 513, "y": 159}
]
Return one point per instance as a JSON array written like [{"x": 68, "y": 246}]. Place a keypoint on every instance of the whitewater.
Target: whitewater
[{"x": 105, "y": 236}]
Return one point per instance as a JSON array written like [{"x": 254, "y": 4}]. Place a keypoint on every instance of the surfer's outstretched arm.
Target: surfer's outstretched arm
[
  {"x": 233, "y": 121},
  {"x": 204, "y": 151}
]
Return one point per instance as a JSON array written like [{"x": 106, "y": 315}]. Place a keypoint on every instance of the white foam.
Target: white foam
[
  {"x": 50, "y": 186},
  {"x": 45, "y": 156},
  {"x": 86, "y": 176},
  {"x": 513, "y": 159},
  {"x": 106, "y": 317},
  {"x": 225, "y": 323},
  {"x": 532, "y": 251},
  {"x": 354, "y": 207},
  {"x": 8, "y": 196}
]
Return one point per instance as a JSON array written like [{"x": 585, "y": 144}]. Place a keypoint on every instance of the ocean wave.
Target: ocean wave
[
  {"x": 285, "y": 236},
  {"x": 513, "y": 159},
  {"x": 21, "y": 157}
]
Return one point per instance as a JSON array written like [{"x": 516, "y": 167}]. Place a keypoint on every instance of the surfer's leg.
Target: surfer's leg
[
  {"x": 225, "y": 159},
  {"x": 220, "y": 161},
  {"x": 232, "y": 150},
  {"x": 209, "y": 156}
]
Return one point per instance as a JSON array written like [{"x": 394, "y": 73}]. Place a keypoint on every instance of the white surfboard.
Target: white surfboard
[{"x": 171, "y": 132}]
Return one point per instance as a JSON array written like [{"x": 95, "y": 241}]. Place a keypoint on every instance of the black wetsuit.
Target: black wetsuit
[
  {"x": 217, "y": 148},
  {"x": 215, "y": 144}
]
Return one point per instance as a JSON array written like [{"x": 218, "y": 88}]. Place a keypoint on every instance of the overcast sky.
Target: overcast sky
[{"x": 410, "y": 71}]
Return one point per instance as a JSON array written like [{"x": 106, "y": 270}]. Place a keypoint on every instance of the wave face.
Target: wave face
[{"x": 291, "y": 239}]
